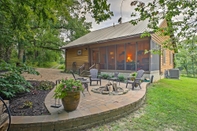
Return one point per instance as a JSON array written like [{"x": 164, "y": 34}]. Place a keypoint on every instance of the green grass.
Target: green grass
[{"x": 170, "y": 105}]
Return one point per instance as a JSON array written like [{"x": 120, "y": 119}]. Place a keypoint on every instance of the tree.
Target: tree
[
  {"x": 23, "y": 21},
  {"x": 186, "y": 58},
  {"x": 34, "y": 26},
  {"x": 179, "y": 14}
]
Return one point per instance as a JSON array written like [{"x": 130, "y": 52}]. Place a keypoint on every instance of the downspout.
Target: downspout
[
  {"x": 136, "y": 58},
  {"x": 89, "y": 58},
  {"x": 65, "y": 60},
  {"x": 150, "y": 54},
  {"x": 160, "y": 72}
]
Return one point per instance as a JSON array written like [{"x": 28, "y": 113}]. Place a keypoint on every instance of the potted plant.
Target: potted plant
[
  {"x": 69, "y": 92},
  {"x": 133, "y": 75}
]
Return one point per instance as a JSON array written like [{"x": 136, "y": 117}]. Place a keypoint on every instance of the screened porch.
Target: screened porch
[{"x": 128, "y": 56}]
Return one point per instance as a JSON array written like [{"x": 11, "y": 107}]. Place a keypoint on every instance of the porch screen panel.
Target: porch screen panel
[
  {"x": 120, "y": 55},
  {"x": 95, "y": 56},
  {"x": 111, "y": 57},
  {"x": 142, "y": 58},
  {"x": 154, "y": 57},
  {"x": 130, "y": 56},
  {"x": 103, "y": 58}
]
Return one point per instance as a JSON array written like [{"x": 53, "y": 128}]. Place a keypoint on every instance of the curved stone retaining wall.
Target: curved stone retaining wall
[{"x": 62, "y": 122}]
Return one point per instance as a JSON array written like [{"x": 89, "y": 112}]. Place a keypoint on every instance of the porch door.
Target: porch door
[{"x": 95, "y": 56}]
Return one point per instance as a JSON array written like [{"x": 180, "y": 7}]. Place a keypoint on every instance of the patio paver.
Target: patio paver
[{"x": 92, "y": 109}]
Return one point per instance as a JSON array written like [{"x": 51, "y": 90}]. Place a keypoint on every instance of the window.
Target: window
[
  {"x": 164, "y": 56},
  {"x": 111, "y": 57},
  {"x": 123, "y": 56},
  {"x": 103, "y": 58},
  {"x": 171, "y": 58},
  {"x": 154, "y": 57},
  {"x": 130, "y": 56},
  {"x": 142, "y": 58},
  {"x": 120, "y": 55},
  {"x": 95, "y": 56}
]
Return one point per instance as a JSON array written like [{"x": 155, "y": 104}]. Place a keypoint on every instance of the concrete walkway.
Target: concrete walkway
[{"x": 93, "y": 108}]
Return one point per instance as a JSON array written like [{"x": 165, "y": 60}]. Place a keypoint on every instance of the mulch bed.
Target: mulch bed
[{"x": 30, "y": 103}]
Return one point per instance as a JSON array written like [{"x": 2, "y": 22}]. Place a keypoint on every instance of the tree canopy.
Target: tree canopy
[
  {"x": 181, "y": 17},
  {"x": 186, "y": 58},
  {"x": 38, "y": 24},
  {"x": 33, "y": 29}
]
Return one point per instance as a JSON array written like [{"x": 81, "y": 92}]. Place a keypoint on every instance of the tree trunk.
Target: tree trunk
[
  {"x": 20, "y": 52},
  {"x": 1, "y": 54},
  {"x": 35, "y": 54},
  {"x": 8, "y": 53},
  {"x": 5, "y": 53},
  {"x": 193, "y": 70},
  {"x": 186, "y": 69}
]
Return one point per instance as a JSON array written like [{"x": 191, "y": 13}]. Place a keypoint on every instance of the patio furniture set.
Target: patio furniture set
[{"x": 95, "y": 77}]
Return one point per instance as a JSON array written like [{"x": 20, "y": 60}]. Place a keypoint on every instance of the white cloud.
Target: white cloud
[{"x": 116, "y": 7}]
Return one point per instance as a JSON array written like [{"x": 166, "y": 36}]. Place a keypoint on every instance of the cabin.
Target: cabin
[{"x": 120, "y": 48}]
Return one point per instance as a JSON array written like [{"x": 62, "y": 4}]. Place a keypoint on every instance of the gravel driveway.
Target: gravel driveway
[{"x": 47, "y": 74}]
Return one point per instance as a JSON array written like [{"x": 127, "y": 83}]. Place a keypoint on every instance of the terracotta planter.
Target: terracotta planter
[{"x": 71, "y": 101}]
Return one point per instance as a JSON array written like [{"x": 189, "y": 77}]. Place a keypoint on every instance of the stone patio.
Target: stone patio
[{"x": 93, "y": 108}]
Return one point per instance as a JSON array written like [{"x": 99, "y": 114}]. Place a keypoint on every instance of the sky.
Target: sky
[{"x": 116, "y": 7}]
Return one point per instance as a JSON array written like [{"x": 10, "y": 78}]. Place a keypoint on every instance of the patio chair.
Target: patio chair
[
  {"x": 84, "y": 81},
  {"x": 115, "y": 77},
  {"x": 94, "y": 76},
  {"x": 137, "y": 80},
  {"x": 76, "y": 78}
]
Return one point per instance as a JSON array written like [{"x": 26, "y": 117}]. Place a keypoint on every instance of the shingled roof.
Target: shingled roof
[{"x": 110, "y": 33}]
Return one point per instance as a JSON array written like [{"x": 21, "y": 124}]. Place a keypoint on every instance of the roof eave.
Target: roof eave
[{"x": 102, "y": 41}]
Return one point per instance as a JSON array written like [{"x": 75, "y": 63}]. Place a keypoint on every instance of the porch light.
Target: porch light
[{"x": 111, "y": 53}]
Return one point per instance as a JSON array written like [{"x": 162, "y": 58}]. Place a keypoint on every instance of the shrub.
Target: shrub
[
  {"x": 121, "y": 78},
  {"x": 12, "y": 82},
  {"x": 46, "y": 85},
  {"x": 61, "y": 67},
  {"x": 105, "y": 76},
  {"x": 27, "y": 104}
]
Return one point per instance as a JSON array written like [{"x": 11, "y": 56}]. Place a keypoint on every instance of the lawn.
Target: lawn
[{"x": 171, "y": 105}]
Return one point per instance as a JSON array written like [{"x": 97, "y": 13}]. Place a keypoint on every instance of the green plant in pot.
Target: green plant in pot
[
  {"x": 133, "y": 75},
  {"x": 69, "y": 92}
]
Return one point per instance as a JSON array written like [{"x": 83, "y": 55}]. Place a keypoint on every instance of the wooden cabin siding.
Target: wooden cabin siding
[
  {"x": 167, "y": 65},
  {"x": 71, "y": 56},
  {"x": 159, "y": 39}
]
